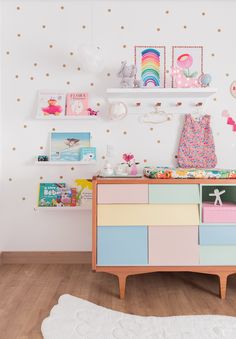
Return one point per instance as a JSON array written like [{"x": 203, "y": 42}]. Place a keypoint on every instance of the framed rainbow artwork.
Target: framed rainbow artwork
[{"x": 151, "y": 65}]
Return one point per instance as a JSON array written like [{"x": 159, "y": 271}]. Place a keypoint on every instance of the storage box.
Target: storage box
[{"x": 218, "y": 214}]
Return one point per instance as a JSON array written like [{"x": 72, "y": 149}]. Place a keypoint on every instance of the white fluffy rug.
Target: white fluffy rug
[{"x": 74, "y": 318}]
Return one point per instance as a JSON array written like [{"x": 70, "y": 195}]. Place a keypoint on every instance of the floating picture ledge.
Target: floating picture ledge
[
  {"x": 65, "y": 163},
  {"x": 66, "y": 208}
]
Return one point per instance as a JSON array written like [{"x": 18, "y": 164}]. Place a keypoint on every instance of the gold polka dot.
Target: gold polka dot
[
  {"x": 44, "y": 26},
  {"x": 108, "y": 74},
  {"x": 227, "y": 74},
  {"x": 185, "y": 27},
  {"x": 219, "y": 30},
  {"x": 91, "y": 84},
  {"x": 158, "y": 29},
  {"x": 167, "y": 12},
  {"x": 108, "y": 131},
  {"x": 18, "y": 99},
  {"x": 212, "y": 54},
  {"x": 103, "y": 157},
  {"x": 18, "y": 35},
  {"x": 35, "y": 64},
  {"x": 214, "y": 99},
  {"x": 41, "y": 178},
  {"x": 41, "y": 147},
  {"x": 124, "y": 46},
  {"x": 158, "y": 141},
  {"x": 7, "y": 52},
  {"x": 98, "y": 104},
  {"x": 50, "y": 46},
  {"x": 124, "y": 132},
  {"x": 61, "y": 177},
  {"x": 167, "y": 71},
  {"x": 25, "y": 126},
  {"x": 18, "y": 8},
  {"x": 64, "y": 65},
  {"x": 31, "y": 78},
  {"x": 53, "y": 129},
  {"x": 72, "y": 168},
  {"x": 71, "y": 53},
  {"x": 13, "y": 148},
  {"x": 203, "y": 13},
  {"x": 68, "y": 82},
  {"x": 23, "y": 198},
  {"x": 83, "y": 26},
  {"x": 151, "y": 128},
  {"x": 109, "y": 10},
  {"x": 176, "y": 156},
  {"x": 17, "y": 76},
  {"x": 122, "y": 27},
  {"x": 10, "y": 179},
  {"x": 62, "y": 7},
  {"x": 47, "y": 74},
  {"x": 145, "y": 160},
  {"x": 78, "y": 68}
]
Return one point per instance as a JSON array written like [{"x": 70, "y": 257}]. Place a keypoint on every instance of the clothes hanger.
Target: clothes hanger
[
  {"x": 156, "y": 117},
  {"x": 198, "y": 114}
]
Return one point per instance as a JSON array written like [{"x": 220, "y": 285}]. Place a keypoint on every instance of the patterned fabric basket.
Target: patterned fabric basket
[{"x": 188, "y": 173}]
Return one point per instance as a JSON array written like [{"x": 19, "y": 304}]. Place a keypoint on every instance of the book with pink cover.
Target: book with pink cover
[{"x": 77, "y": 104}]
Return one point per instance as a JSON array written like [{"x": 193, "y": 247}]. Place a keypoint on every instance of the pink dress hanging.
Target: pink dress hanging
[{"x": 196, "y": 147}]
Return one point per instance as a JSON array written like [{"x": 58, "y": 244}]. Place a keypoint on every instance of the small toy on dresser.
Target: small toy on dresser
[{"x": 217, "y": 195}]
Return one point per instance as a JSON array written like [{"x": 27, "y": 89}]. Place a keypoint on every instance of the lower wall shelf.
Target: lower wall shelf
[{"x": 68, "y": 208}]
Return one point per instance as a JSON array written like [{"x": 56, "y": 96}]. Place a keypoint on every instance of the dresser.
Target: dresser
[{"x": 143, "y": 225}]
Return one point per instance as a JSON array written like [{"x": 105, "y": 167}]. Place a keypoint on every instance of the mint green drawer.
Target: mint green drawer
[
  {"x": 174, "y": 194},
  {"x": 218, "y": 255}
]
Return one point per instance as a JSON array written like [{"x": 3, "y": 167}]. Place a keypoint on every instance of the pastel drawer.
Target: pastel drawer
[
  {"x": 218, "y": 214},
  {"x": 173, "y": 245},
  {"x": 217, "y": 235},
  {"x": 118, "y": 194},
  {"x": 122, "y": 246},
  {"x": 174, "y": 194},
  {"x": 147, "y": 214},
  {"x": 218, "y": 255}
]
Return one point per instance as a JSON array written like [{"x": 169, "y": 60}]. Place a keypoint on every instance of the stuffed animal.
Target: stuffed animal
[{"x": 127, "y": 75}]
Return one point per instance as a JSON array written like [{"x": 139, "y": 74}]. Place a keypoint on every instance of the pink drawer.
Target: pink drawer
[
  {"x": 120, "y": 194},
  {"x": 218, "y": 214},
  {"x": 173, "y": 245}
]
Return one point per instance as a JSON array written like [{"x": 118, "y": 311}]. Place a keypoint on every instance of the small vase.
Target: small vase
[{"x": 133, "y": 170}]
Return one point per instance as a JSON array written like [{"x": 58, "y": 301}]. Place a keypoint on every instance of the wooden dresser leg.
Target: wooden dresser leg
[
  {"x": 122, "y": 283},
  {"x": 223, "y": 284}
]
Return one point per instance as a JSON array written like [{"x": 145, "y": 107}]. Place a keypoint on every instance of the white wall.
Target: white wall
[{"x": 24, "y": 229}]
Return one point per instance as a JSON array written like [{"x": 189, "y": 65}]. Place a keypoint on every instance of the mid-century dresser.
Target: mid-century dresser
[{"x": 145, "y": 225}]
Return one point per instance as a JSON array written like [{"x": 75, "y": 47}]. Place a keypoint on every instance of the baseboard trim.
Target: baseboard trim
[{"x": 65, "y": 257}]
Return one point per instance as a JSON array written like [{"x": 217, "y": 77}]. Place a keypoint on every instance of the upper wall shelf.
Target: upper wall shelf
[
  {"x": 64, "y": 117},
  {"x": 171, "y": 100}
]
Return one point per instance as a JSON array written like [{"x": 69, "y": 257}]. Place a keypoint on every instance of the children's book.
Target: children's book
[
  {"x": 84, "y": 191},
  {"x": 77, "y": 104},
  {"x": 51, "y": 105},
  {"x": 50, "y": 194}
]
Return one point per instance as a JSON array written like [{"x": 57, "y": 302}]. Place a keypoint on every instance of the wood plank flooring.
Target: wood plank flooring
[{"x": 28, "y": 292}]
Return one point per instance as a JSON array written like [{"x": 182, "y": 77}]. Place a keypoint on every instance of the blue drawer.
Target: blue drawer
[
  {"x": 122, "y": 245},
  {"x": 174, "y": 194},
  {"x": 217, "y": 235}
]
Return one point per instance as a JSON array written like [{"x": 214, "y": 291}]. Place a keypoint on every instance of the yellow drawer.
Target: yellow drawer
[{"x": 144, "y": 214}]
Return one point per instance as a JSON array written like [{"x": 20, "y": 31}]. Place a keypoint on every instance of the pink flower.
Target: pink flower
[
  {"x": 185, "y": 61},
  {"x": 128, "y": 157}
]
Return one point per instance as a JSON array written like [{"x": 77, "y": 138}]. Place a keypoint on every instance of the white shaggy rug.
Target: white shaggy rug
[{"x": 74, "y": 318}]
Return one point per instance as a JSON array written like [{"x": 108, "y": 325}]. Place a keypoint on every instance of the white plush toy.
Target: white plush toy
[{"x": 127, "y": 75}]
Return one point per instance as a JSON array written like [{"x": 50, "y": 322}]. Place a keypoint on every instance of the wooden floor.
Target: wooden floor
[{"x": 28, "y": 292}]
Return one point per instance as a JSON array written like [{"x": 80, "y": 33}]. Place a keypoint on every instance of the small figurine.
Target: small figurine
[
  {"x": 42, "y": 158},
  {"x": 217, "y": 195},
  {"x": 127, "y": 75},
  {"x": 205, "y": 80},
  {"x": 92, "y": 112}
]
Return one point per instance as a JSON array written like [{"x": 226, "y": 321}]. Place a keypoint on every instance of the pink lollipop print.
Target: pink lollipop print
[{"x": 185, "y": 61}]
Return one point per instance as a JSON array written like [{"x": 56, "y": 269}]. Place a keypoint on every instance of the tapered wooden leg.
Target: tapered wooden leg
[
  {"x": 122, "y": 283},
  {"x": 223, "y": 284}
]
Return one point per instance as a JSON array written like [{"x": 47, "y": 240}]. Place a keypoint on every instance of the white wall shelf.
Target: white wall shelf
[
  {"x": 64, "y": 163},
  {"x": 82, "y": 117},
  {"x": 172, "y": 100},
  {"x": 66, "y": 208}
]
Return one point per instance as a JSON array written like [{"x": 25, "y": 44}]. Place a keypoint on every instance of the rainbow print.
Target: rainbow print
[{"x": 150, "y": 67}]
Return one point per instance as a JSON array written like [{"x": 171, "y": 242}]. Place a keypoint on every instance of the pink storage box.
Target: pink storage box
[{"x": 218, "y": 214}]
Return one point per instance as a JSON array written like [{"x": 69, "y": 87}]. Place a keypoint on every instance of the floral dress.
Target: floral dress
[{"x": 196, "y": 146}]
